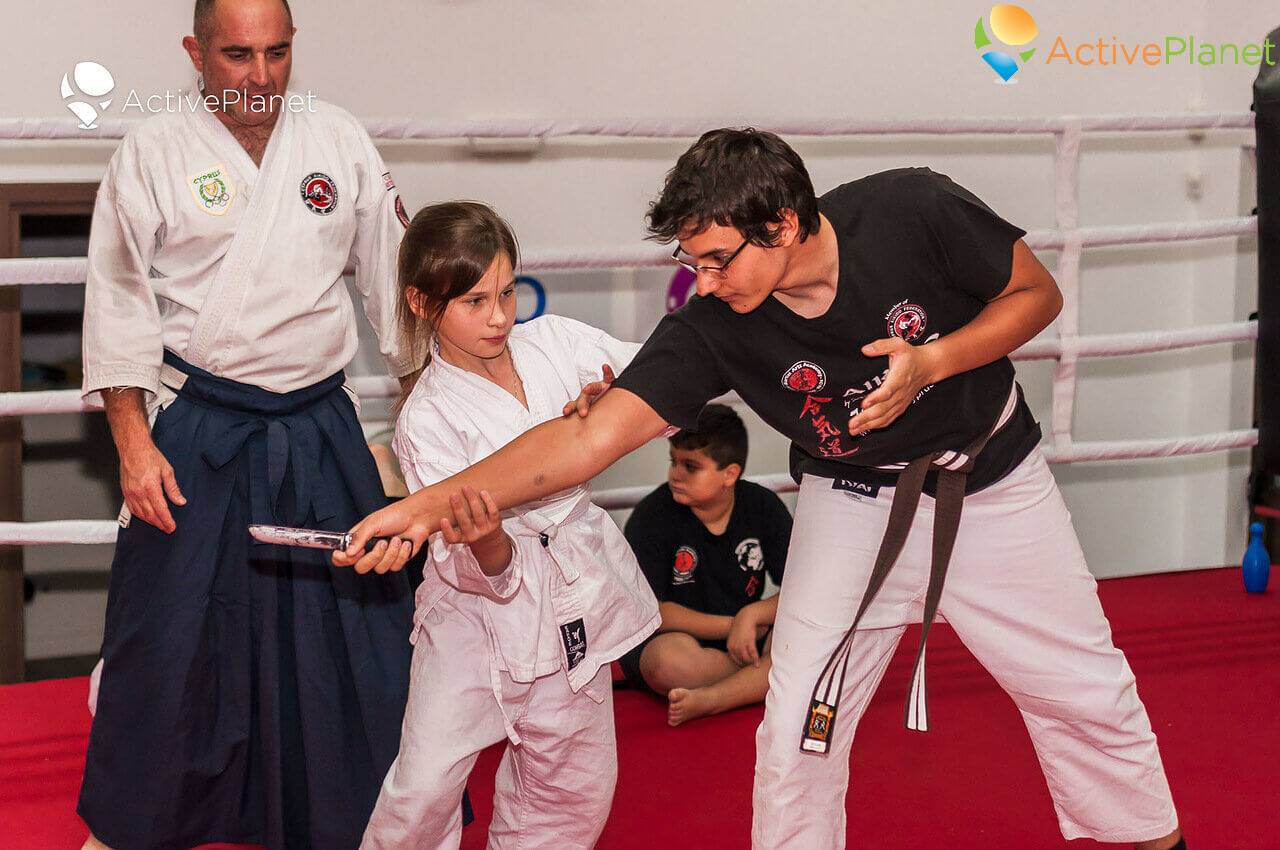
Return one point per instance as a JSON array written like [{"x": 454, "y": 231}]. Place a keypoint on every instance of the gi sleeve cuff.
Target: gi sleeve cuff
[
  {"x": 99, "y": 378},
  {"x": 457, "y": 566}
]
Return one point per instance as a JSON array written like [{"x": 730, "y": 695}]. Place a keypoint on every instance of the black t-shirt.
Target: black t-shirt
[
  {"x": 715, "y": 574},
  {"x": 920, "y": 257}
]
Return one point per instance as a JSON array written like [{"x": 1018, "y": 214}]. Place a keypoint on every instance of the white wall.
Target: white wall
[{"x": 752, "y": 62}]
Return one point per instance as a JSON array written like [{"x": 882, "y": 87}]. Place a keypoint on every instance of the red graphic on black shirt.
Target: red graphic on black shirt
[
  {"x": 804, "y": 377},
  {"x": 753, "y": 585},
  {"x": 686, "y": 562},
  {"x": 907, "y": 321},
  {"x": 829, "y": 435}
]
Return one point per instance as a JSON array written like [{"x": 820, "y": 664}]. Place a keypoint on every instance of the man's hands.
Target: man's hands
[
  {"x": 148, "y": 484},
  {"x": 591, "y": 392},
  {"x": 480, "y": 527},
  {"x": 911, "y": 369},
  {"x": 146, "y": 478}
]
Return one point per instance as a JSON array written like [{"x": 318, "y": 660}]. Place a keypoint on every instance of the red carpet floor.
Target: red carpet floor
[{"x": 1206, "y": 654}]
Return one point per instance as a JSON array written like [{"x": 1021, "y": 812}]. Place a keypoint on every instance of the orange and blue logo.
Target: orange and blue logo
[{"x": 1002, "y": 38}]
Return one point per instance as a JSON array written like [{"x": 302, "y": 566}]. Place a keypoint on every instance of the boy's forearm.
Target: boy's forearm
[
  {"x": 679, "y": 618},
  {"x": 1003, "y": 325},
  {"x": 554, "y": 456},
  {"x": 1028, "y": 304},
  {"x": 766, "y": 610}
]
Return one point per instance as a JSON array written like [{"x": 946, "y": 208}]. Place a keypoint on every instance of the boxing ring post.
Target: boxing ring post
[
  {"x": 12, "y": 601},
  {"x": 1265, "y": 474},
  {"x": 19, "y": 200}
]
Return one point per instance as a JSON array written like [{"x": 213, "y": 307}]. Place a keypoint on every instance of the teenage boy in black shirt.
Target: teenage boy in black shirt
[
  {"x": 872, "y": 327},
  {"x": 706, "y": 540}
]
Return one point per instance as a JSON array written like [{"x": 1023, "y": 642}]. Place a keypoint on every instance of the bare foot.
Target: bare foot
[
  {"x": 689, "y": 704},
  {"x": 92, "y": 843}
]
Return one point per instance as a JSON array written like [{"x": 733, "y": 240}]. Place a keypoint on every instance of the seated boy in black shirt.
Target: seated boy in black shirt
[{"x": 705, "y": 540}]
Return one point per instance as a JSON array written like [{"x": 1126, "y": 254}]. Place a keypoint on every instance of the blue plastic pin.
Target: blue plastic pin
[{"x": 1257, "y": 563}]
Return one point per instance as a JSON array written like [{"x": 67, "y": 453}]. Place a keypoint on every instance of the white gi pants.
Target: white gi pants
[
  {"x": 1019, "y": 596},
  {"x": 553, "y": 789}
]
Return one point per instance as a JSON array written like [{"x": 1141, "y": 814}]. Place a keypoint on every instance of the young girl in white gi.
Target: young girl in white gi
[{"x": 518, "y": 615}]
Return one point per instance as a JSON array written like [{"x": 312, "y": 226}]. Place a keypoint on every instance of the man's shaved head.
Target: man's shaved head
[
  {"x": 202, "y": 24},
  {"x": 243, "y": 52}
]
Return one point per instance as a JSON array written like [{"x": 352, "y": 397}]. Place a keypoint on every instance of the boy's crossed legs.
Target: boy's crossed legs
[{"x": 701, "y": 680}]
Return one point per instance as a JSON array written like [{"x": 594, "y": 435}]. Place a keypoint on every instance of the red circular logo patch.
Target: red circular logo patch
[
  {"x": 804, "y": 377},
  {"x": 686, "y": 562},
  {"x": 319, "y": 193},
  {"x": 907, "y": 321}
]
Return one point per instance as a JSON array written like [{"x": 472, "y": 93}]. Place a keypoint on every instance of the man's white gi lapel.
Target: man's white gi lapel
[{"x": 268, "y": 189}]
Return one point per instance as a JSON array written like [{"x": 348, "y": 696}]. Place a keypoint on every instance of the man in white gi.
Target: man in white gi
[{"x": 249, "y": 694}]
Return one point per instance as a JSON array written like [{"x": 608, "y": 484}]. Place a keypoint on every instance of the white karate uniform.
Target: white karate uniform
[
  {"x": 1021, "y": 598},
  {"x": 238, "y": 268},
  {"x": 523, "y": 655},
  {"x": 227, "y": 264}
]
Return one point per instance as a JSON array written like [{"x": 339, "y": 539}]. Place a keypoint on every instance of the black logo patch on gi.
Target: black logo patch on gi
[
  {"x": 685, "y": 563},
  {"x": 804, "y": 377},
  {"x": 319, "y": 193},
  {"x": 857, "y": 488},
  {"x": 907, "y": 321},
  {"x": 574, "y": 636},
  {"x": 400, "y": 213}
]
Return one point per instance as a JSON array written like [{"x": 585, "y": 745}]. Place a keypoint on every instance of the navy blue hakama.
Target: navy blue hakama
[{"x": 250, "y": 693}]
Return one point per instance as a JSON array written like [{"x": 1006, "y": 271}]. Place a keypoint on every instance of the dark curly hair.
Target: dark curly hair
[{"x": 741, "y": 178}]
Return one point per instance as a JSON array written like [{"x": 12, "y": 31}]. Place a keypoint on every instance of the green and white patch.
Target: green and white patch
[{"x": 213, "y": 190}]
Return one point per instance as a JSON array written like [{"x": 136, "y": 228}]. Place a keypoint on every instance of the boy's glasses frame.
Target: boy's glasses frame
[{"x": 717, "y": 271}]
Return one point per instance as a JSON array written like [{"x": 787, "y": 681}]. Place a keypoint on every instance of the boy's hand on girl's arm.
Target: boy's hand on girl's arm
[
  {"x": 591, "y": 392},
  {"x": 480, "y": 527}
]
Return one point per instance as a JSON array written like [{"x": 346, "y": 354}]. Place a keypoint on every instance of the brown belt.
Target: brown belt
[{"x": 949, "y": 502}]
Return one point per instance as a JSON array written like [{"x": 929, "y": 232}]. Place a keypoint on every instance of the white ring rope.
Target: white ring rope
[
  {"x": 62, "y": 270},
  {"x": 35, "y": 403},
  {"x": 1135, "y": 449},
  {"x": 1068, "y": 238},
  {"x": 40, "y": 129}
]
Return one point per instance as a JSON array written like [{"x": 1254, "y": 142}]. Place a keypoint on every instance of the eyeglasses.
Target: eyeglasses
[{"x": 714, "y": 271}]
